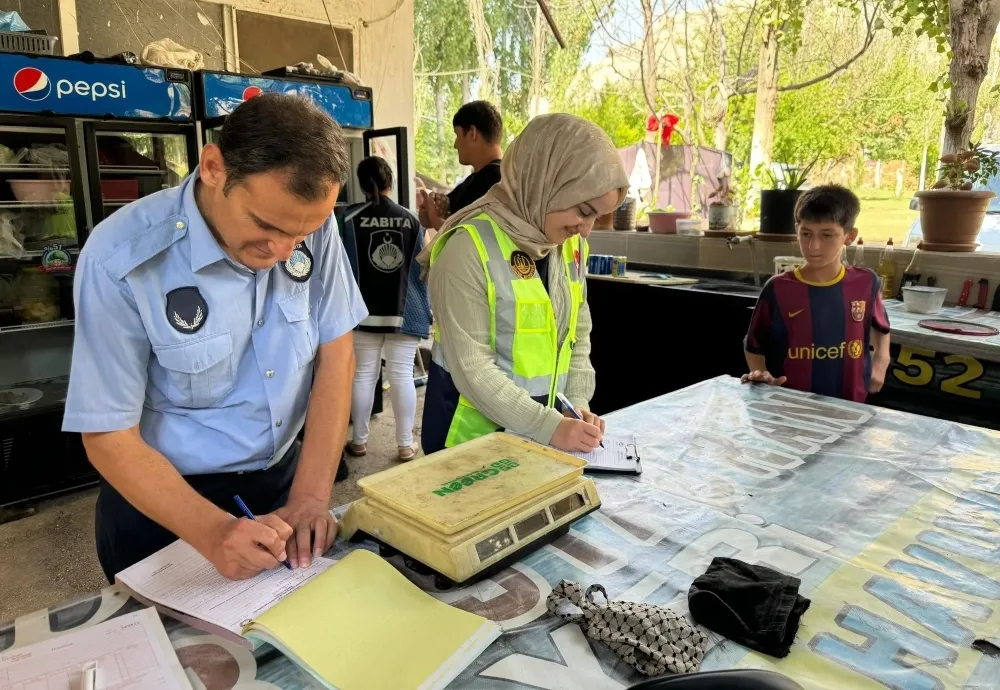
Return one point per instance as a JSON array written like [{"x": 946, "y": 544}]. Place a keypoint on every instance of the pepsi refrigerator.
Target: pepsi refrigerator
[
  {"x": 351, "y": 106},
  {"x": 78, "y": 141}
]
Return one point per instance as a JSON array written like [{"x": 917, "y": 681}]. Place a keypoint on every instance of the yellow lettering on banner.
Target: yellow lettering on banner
[{"x": 933, "y": 589}]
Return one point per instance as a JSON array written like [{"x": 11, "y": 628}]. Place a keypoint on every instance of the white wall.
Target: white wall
[{"x": 383, "y": 55}]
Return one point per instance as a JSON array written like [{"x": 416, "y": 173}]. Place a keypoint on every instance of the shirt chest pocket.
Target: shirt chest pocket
[
  {"x": 301, "y": 327},
  {"x": 199, "y": 373}
]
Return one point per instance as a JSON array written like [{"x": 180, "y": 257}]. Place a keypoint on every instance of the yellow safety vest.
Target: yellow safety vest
[{"x": 523, "y": 331}]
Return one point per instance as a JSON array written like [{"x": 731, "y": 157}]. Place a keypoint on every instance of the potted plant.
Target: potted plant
[
  {"x": 720, "y": 211},
  {"x": 777, "y": 204},
  {"x": 952, "y": 212},
  {"x": 663, "y": 221}
]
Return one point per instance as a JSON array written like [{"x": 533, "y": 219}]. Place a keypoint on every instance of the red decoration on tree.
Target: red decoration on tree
[{"x": 667, "y": 122}]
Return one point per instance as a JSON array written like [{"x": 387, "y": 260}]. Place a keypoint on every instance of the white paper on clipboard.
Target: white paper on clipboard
[{"x": 618, "y": 455}]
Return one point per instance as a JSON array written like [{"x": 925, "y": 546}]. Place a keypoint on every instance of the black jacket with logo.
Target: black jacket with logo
[{"x": 384, "y": 247}]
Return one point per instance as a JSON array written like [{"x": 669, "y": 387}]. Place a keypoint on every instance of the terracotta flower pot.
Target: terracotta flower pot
[
  {"x": 952, "y": 218},
  {"x": 665, "y": 222}
]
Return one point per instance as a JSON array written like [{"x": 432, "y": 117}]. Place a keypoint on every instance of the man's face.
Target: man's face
[
  {"x": 822, "y": 242},
  {"x": 465, "y": 142},
  {"x": 259, "y": 222}
]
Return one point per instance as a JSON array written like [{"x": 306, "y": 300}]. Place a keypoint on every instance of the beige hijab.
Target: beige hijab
[{"x": 557, "y": 162}]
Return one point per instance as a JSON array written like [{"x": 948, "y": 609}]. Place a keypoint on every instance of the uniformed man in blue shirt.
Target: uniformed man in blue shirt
[{"x": 213, "y": 320}]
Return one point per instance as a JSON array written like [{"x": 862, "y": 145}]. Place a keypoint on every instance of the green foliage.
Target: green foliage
[
  {"x": 619, "y": 114},
  {"x": 966, "y": 169},
  {"x": 447, "y": 68}
]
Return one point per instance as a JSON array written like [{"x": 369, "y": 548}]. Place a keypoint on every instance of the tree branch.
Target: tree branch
[{"x": 869, "y": 39}]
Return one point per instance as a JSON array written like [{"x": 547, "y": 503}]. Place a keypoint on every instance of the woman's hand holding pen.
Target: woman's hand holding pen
[{"x": 576, "y": 435}]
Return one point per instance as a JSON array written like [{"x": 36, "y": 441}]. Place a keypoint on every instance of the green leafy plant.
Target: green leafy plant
[
  {"x": 792, "y": 176},
  {"x": 967, "y": 169},
  {"x": 722, "y": 193}
]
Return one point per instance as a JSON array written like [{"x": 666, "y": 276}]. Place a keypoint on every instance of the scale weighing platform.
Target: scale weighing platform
[{"x": 467, "y": 512}]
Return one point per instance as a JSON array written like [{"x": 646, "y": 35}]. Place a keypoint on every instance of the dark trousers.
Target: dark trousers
[{"x": 125, "y": 536}]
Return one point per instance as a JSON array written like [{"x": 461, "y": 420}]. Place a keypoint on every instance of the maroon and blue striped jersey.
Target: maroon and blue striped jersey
[{"x": 818, "y": 334}]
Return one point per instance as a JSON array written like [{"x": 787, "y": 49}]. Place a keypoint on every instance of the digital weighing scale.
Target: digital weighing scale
[{"x": 469, "y": 511}]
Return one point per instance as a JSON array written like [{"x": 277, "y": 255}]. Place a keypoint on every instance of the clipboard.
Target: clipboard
[{"x": 620, "y": 455}]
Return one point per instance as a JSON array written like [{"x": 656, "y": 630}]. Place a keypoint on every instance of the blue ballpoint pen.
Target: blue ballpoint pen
[
  {"x": 250, "y": 516},
  {"x": 564, "y": 401}
]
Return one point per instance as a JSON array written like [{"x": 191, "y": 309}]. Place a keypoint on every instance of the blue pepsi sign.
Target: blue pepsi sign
[
  {"x": 57, "y": 86},
  {"x": 221, "y": 94}
]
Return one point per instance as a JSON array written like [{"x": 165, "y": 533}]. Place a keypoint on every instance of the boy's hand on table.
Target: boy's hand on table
[
  {"x": 879, "y": 369},
  {"x": 763, "y": 377}
]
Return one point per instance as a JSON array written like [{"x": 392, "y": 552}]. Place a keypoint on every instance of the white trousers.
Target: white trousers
[{"x": 399, "y": 351}]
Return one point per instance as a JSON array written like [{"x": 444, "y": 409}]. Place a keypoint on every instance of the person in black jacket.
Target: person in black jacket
[{"x": 387, "y": 238}]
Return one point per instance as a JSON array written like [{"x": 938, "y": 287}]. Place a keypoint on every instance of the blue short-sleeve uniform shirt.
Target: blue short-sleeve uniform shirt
[{"x": 212, "y": 360}]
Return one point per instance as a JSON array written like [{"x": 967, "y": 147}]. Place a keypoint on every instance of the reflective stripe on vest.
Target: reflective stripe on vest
[{"x": 523, "y": 331}]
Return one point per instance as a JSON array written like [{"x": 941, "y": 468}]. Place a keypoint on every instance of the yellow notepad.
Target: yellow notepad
[{"x": 362, "y": 625}]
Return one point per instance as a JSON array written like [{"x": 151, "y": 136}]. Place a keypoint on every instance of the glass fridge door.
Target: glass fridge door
[
  {"x": 134, "y": 161},
  {"x": 38, "y": 188},
  {"x": 391, "y": 144}
]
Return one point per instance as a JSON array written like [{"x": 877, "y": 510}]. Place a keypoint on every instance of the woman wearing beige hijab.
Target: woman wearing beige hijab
[{"x": 506, "y": 275}]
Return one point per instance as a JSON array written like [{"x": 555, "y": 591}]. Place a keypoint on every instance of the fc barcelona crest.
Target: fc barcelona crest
[{"x": 858, "y": 310}]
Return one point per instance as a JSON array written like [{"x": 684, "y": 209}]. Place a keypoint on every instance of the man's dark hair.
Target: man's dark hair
[
  {"x": 829, "y": 203},
  {"x": 483, "y": 116},
  {"x": 280, "y": 133},
  {"x": 374, "y": 175}
]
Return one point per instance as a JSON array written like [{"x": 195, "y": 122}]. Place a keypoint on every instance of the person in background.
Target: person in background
[
  {"x": 814, "y": 328},
  {"x": 506, "y": 275},
  {"x": 387, "y": 238},
  {"x": 213, "y": 321},
  {"x": 478, "y": 133}
]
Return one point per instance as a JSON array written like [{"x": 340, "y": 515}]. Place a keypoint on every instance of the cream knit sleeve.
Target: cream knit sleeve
[
  {"x": 462, "y": 312},
  {"x": 581, "y": 381}
]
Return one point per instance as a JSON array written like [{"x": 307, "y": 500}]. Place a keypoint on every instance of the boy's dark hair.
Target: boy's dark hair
[
  {"x": 374, "y": 175},
  {"x": 276, "y": 132},
  {"x": 829, "y": 203},
  {"x": 483, "y": 116}
]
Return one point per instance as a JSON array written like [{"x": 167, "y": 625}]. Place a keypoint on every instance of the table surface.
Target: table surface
[
  {"x": 905, "y": 331},
  {"x": 891, "y": 521}
]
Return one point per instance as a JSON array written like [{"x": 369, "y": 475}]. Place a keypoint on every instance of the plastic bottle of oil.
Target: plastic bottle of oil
[
  {"x": 859, "y": 253},
  {"x": 887, "y": 271}
]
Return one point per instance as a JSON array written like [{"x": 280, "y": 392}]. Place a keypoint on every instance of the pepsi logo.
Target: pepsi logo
[
  {"x": 32, "y": 83},
  {"x": 251, "y": 92}
]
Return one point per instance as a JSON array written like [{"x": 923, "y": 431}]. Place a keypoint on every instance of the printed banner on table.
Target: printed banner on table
[{"x": 891, "y": 521}]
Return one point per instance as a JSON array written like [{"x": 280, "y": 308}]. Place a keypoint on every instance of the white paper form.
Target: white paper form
[
  {"x": 131, "y": 651},
  {"x": 618, "y": 455},
  {"x": 180, "y": 578}
]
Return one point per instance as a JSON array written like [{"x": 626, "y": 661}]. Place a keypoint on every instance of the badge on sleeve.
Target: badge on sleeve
[
  {"x": 299, "y": 265},
  {"x": 187, "y": 310}
]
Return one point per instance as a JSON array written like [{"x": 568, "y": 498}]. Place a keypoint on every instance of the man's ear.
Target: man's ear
[
  {"x": 851, "y": 235},
  {"x": 212, "y": 167}
]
